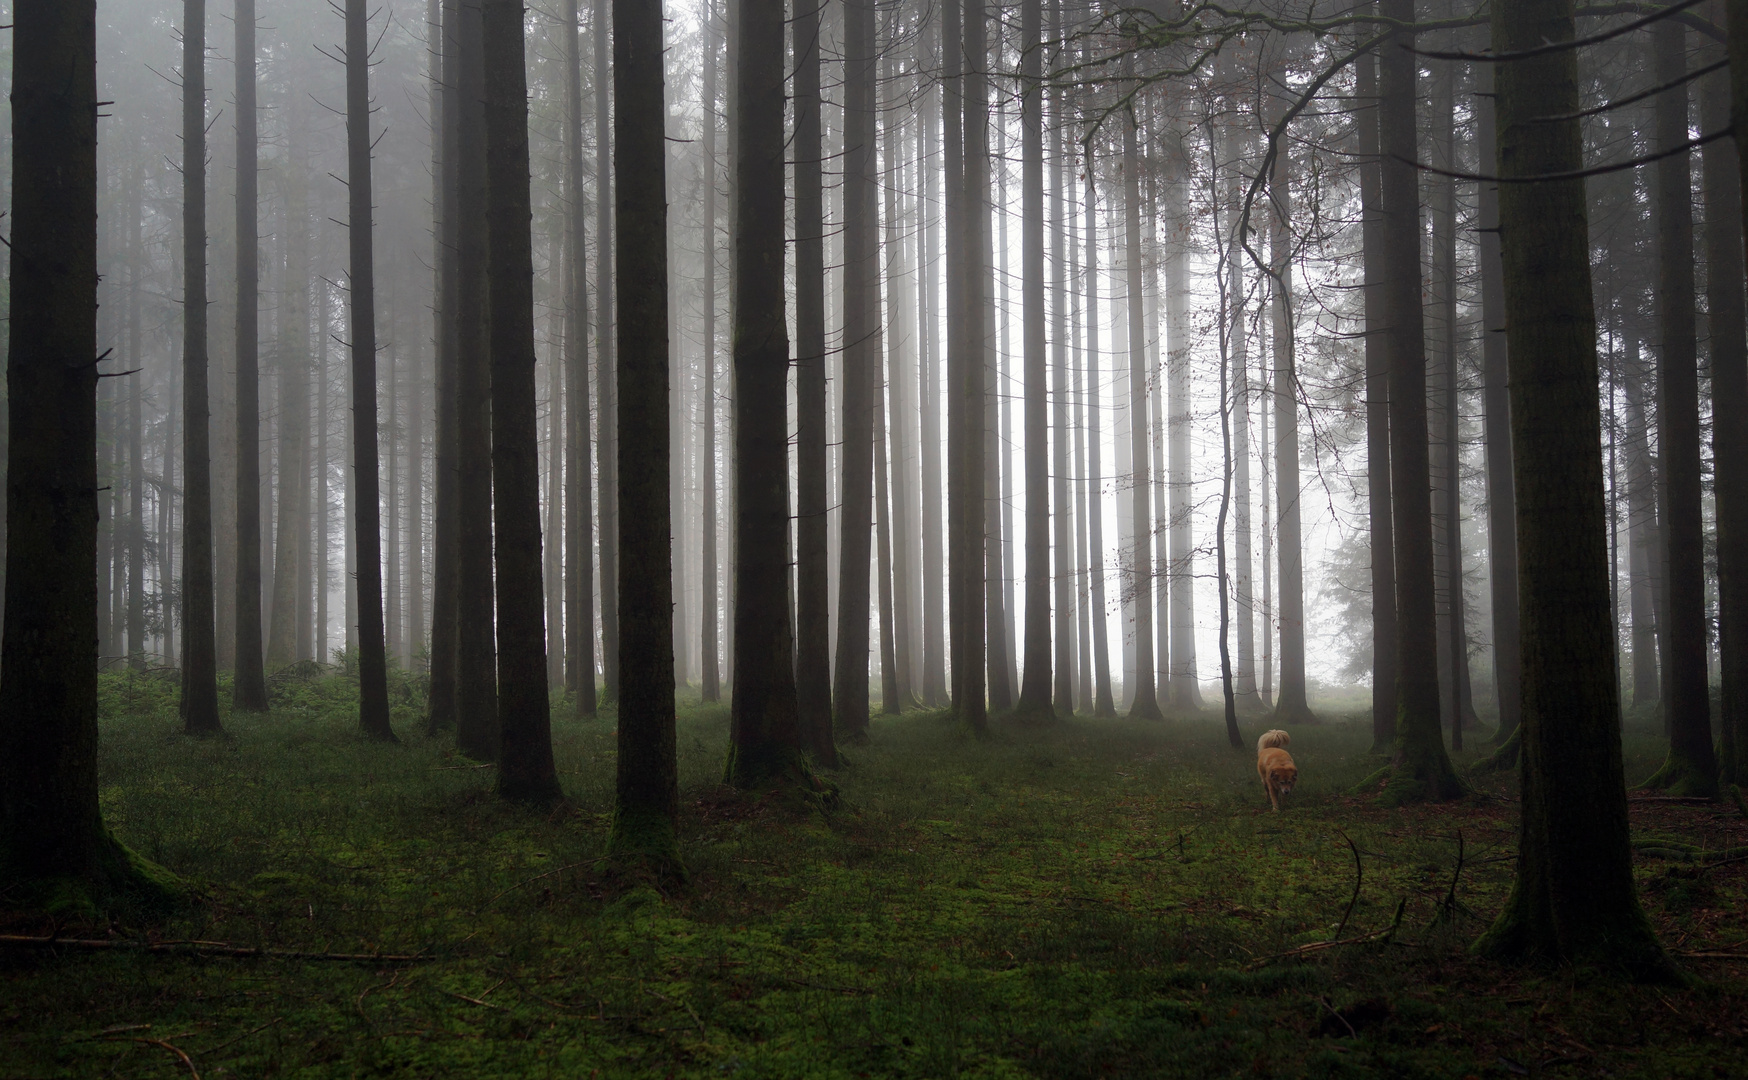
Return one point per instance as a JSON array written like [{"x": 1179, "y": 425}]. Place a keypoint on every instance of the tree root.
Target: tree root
[{"x": 1503, "y": 758}]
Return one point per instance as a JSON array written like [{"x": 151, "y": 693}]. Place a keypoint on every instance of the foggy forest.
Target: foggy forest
[{"x": 732, "y": 538}]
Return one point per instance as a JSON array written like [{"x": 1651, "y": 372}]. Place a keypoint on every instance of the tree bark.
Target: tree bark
[
  {"x": 290, "y": 547},
  {"x": 606, "y": 364},
  {"x": 1184, "y": 680},
  {"x": 1377, "y": 344},
  {"x": 1421, "y": 768},
  {"x": 934, "y": 671},
  {"x": 1291, "y": 706},
  {"x": 1036, "y": 685},
  {"x": 860, "y": 362},
  {"x": 476, "y": 656},
  {"x": 1145, "y": 701},
  {"x": 647, "y": 786},
  {"x": 813, "y": 569},
  {"x": 1104, "y": 704},
  {"x": 1691, "y": 768},
  {"x": 1573, "y": 899},
  {"x": 710, "y": 688},
  {"x": 199, "y": 699},
  {"x": 579, "y": 518},
  {"x": 249, "y": 685},
  {"x": 766, "y": 732},
  {"x": 1724, "y": 262},
  {"x": 442, "y": 703},
  {"x": 526, "y": 772},
  {"x": 1062, "y": 432},
  {"x": 54, "y": 848},
  {"x": 373, "y": 716}
]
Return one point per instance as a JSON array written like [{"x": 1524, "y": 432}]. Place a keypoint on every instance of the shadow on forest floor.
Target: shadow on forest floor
[{"x": 1097, "y": 898}]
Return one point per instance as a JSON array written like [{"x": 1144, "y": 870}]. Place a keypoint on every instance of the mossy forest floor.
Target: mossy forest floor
[{"x": 1096, "y": 898}]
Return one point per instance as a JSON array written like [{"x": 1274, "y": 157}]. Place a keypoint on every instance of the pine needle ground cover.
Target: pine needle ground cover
[{"x": 1096, "y": 898}]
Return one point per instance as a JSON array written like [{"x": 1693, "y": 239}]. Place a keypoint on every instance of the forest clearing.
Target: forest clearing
[{"x": 1091, "y": 898}]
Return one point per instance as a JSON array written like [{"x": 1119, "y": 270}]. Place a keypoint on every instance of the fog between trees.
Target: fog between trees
[{"x": 1029, "y": 360}]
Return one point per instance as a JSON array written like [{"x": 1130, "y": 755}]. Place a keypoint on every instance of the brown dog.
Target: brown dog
[{"x": 1275, "y": 766}]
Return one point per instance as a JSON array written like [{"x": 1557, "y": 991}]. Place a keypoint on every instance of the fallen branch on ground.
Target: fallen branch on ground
[
  {"x": 203, "y": 948},
  {"x": 1318, "y": 946}
]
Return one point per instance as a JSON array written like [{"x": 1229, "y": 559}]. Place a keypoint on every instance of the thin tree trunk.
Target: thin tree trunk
[
  {"x": 1382, "y": 533},
  {"x": 1496, "y": 407},
  {"x": 199, "y": 698},
  {"x": 1185, "y": 679},
  {"x": 860, "y": 362},
  {"x": 526, "y": 772},
  {"x": 579, "y": 549},
  {"x": 934, "y": 570},
  {"x": 1145, "y": 703},
  {"x": 443, "y": 703},
  {"x": 648, "y": 782},
  {"x": 294, "y": 414},
  {"x": 813, "y": 571},
  {"x": 1642, "y": 545},
  {"x": 1691, "y": 768},
  {"x": 1037, "y": 684},
  {"x": 710, "y": 688},
  {"x": 899, "y": 340},
  {"x": 1290, "y": 706},
  {"x": 964, "y": 165},
  {"x": 606, "y": 345},
  {"x": 136, "y": 538},
  {"x": 1243, "y": 588},
  {"x": 1062, "y": 432},
  {"x": 1103, "y": 703},
  {"x": 1421, "y": 770},
  {"x": 1573, "y": 899},
  {"x": 373, "y": 715}
]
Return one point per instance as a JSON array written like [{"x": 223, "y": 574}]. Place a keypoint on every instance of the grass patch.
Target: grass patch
[{"x": 1103, "y": 898}]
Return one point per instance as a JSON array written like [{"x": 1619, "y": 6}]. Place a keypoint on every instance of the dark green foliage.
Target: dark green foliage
[{"x": 1084, "y": 900}]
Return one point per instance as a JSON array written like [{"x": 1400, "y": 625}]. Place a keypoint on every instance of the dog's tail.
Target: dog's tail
[{"x": 1276, "y": 737}]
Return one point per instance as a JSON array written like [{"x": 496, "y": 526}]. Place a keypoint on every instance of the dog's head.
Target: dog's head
[{"x": 1282, "y": 778}]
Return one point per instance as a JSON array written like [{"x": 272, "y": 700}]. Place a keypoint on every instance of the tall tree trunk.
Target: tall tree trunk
[
  {"x": 136, "y": 537},
  {"x": 812, "y": 568},
  {"x": 1641, "y": 538},
  {"x": 1103, "y": 703},
  {"x": 648, "y": 780},
  {"x": 1729, "y": 362},
  {"x": 476, "y": 659},
  {"x": 891, "y": 689},
  {"x": 766, "y": 733},
  {"x": 899, "y": 340},
  {"x": 579, "y": 550},
  {"x": 1291, "y": 706},
  {"x": 1421, "y": 770},
  {"x": 249, "y": 686},
  {"x": 1449, "y": 515},
  {"x": 323, "y": 539},
  {"x": 1692, "y": 767},
  {"x": 1496, "y": 409},
  {"x": 525, "y": 767},
  {"x": 199, "y": 699},
  {"x": 710, "y": 686},
  {"x": 965, "y": 361},
  {"x": 1378, "y": 341},
  {"x": 53, "y": 843},
  {"x": 934, "y": 675},
  {"x": 1238, "y": 317},
  {"x": 289, "y": 555},
  {"x": 606, "y": 365},
  {"x": 442, "y": 702},
  {"x": 373, "y": 715},
  {"x": 982, "y": 314},
  {"x": 1184, "y": 681},
  {"x": 1573, "y": 898},
  {"x": 1145, "y": 702},
  {"x": 860, "y": 363},
  {"x": 1062, "y": 433},
  {"x": 1036, "y": 684}
]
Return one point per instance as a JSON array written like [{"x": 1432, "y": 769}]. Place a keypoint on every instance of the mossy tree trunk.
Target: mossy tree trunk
[
  {"x": 1421, "y": 770},
  {"x": 1573, "y": 899},
  {"x": 54, "y": 849},
  {"x": 647, "y": 786},
  {"x": 765, "y": 736},
  {"x": 525, "y": 767},
  {"x": 1691, "y": 768}
]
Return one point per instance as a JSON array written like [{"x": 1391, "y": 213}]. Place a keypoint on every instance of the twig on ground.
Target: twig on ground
[
  {"x": 476, "y": 1001},
  {"x": 244, "y": 1035},
  {"x": 203, "y": 948},
  {"x": 1358, "y": 873},
  {"x": 531, "y": 881},
  {"x": 1319, "y": 946},
  {"x": 180, "y": 1054}
]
